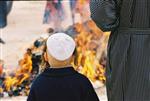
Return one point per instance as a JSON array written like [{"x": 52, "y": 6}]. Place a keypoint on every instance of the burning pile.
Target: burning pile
[
  {"x": 18, "y": 83},
  {"x": 90, "y": 60},
  {"x": 91, "y": 51}
]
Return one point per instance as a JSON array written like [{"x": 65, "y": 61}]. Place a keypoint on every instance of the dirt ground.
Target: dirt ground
[{"x": 24, "y": 26}]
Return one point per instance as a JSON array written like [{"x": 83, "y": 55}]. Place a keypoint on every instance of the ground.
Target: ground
[{"x": 24, "y": 26}]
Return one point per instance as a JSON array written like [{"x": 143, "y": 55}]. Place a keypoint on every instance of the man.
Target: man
[{"x": 128, "y": 65}]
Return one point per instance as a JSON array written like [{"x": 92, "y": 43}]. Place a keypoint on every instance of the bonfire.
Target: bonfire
[
  {"x": 90, "y": 60},
  {"x": 91, "y": 51}
]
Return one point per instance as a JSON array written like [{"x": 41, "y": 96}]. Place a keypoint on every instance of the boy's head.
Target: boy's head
[{"x": 60, "y": 49}]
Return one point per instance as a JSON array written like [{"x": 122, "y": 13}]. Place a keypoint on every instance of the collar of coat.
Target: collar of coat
[{"x": 59, "y": 71}]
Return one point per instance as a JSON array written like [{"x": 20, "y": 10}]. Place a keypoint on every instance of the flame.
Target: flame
[
  {"x": 21, "y": 74},
  {"x": 91, "y": 44}
]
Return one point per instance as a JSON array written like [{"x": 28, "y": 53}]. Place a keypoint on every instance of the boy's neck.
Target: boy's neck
[{"x": 60, "y": 66}]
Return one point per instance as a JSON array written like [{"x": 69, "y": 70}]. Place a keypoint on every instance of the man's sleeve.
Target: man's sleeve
[{"x": 104, "y": 14}]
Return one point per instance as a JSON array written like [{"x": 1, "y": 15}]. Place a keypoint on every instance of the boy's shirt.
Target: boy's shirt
[{"x": 63, "y": 84}]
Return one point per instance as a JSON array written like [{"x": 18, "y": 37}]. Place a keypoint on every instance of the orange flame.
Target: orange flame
[
  {"x": 21, "y": 74},
  {"x": 90, "y": 41}
]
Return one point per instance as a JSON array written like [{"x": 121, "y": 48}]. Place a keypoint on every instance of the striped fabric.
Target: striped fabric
[
  {"x": 128, "y": 62},
  {"x": 128, "y": 65}
]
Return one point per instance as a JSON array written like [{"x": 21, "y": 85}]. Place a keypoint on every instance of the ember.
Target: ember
[{"x": 90, "y": 60}]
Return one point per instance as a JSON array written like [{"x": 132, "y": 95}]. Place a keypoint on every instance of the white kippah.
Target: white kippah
[{"x": 60, "y": 46}]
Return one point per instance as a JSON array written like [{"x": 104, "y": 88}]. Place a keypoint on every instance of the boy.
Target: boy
[{"x": 61, "y": 82}]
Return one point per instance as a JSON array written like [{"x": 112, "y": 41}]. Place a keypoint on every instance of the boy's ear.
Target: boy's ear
[{"x": 45, "y": 56}]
